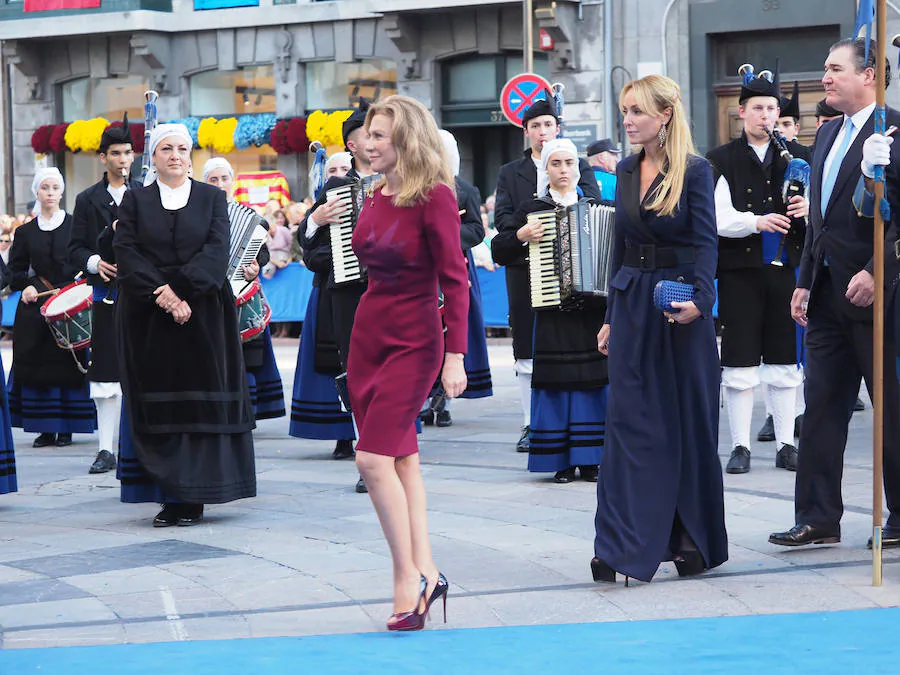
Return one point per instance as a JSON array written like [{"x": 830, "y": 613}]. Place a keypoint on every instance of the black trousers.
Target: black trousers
[{"x": 839, "y": 353}]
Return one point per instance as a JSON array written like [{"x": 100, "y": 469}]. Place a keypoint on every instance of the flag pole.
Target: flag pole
[{"x": 878, "y": 308}]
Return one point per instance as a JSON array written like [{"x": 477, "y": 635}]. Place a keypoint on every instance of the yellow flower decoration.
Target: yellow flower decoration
[
  {"x": 223, "y": 137},
  {"x": 333, "y": 132},
  {"x": 74, "y": 133},
  {"x": 92, "y": 134},
  {"x": 315, "y": 127},
  {"x": 206, "y": 133}
]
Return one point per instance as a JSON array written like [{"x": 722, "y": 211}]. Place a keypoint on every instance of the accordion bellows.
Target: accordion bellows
[
  {"x": 346, "y": 268},
  {"x": 573, "y": 257},
  {"x": 247, "y": 237}
]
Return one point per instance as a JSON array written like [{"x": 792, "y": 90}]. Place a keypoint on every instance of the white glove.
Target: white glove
[{"x": 876, "y": 152}]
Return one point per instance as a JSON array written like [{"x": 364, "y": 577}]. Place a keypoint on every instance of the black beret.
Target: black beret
[
  {"x": 114, "y": 135},
  {"x": 825, "y": 110},
  {"x": 790, "y": 107},
  {"x": 759, "y": 86},
  {"x": 356, "y": 120},
  {"x": 545, "y": 106}
]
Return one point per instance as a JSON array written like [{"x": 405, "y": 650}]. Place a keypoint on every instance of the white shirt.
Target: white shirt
[
  {"x": 859, "y": 119},
  {"x": 730, "y": 222},
  {"x": 174, "y": 198},
  {"x": 55, "y": 221},
  {"x": 571, "y": 197},
  {"x": 117, "y": 193}
]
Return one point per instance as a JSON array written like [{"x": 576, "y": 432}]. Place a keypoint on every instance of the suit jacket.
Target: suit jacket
[
  {"x": 95, "y": 210},
  {"x": 517, "y": 187},
  {"x": 840, "y": 233},
  {"x": 471, "y": 228}
]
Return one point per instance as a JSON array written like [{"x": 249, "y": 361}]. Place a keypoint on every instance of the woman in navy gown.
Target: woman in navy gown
[{"x": 659, "y": 494}]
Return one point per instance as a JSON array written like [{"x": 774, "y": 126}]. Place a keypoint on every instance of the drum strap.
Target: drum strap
[{"x": 47, "y": 284}]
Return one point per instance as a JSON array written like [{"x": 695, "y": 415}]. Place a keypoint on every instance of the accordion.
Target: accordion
[
  {"x": 346, "y": 268},
  {"x": 247, "y": 237},
  {"x": 572, "y": 259}
]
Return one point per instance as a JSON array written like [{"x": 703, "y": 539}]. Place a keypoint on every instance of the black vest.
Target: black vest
[{"x": 755, "y": 187}]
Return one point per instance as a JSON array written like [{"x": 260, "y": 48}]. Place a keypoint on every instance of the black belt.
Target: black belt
[{"x": 652, "y": 257}]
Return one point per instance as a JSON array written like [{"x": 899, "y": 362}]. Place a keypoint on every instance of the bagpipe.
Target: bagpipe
[{"x": 796, "y": 183}]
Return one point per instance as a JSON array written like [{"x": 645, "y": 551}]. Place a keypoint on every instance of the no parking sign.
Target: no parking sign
[{"x": 520, "y": 93}]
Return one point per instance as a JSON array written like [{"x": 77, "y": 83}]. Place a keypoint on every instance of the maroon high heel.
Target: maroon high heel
[
  {"x": 440, "y": 590},
  {"x": 412, "y": 620}
]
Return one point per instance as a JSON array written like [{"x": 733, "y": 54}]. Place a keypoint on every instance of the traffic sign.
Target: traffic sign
[{"x": 520, "y": 93}]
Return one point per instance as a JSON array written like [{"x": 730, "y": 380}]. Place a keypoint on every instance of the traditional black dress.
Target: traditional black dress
[
  {"x": 568, "y": 399},
  {"x": 7, "y": 447},
  {"x": 660, "y": 476},
  {"x": 263, "y": 377},
  {"x": 47, "y": 391},
  {"x": 325, "y": 343},
  {"x": 186, "y": 396}
]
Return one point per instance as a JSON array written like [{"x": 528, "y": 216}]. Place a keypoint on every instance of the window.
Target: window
[
  {"x": 233, "y": 92},
  {"x": 110, "y": 97},
  {"x": 799, "y": 50},
  {"x": 338, "y": 86}
]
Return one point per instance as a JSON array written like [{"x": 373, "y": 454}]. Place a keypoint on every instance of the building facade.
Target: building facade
[{"x": 453, "y": 55}]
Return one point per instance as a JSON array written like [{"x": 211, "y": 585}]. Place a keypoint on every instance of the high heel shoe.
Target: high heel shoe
[
  {"x": 440, "y": 590},
  {"x": 603, "y": 572},
  {"x": 412, "y": 620},
  {"x": 689, "y": 563}
]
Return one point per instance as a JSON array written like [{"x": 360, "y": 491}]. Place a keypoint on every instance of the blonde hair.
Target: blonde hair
[
  {"x": 654, "y": 94},
  {"x": 422, "y": 160}
]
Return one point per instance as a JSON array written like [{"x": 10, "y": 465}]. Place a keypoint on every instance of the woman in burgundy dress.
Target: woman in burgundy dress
[{"x": 407, "y": 235}]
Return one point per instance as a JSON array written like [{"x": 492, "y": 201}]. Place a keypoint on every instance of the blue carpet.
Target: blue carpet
[{"x": 837, "y": 642}]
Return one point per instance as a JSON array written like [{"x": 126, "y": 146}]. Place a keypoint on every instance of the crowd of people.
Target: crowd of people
[{"x": 621, "y": 388}]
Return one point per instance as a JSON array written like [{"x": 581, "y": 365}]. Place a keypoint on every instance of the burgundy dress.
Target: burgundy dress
[{"x": 397, "y": 345}]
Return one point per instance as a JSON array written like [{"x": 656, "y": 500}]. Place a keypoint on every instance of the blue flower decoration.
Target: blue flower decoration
[
  {"x": 192, "y": 124},
  {"x": 253, "y": 130}
]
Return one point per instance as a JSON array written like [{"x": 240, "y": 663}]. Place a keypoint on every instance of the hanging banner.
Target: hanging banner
[{"x": 56, "y": 5}]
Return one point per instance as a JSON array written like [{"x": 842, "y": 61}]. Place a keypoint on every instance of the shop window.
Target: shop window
[
  {"x": 109, "y": 97},
  {"x": 338, "y": 86},
  {"x": 233, "y": 92}
]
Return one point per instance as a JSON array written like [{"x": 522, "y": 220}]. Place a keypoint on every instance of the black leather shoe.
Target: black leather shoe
[
  {"x": 44, "y": 440},
  {"x": 565, "y": 476},
  {"x": 189, "y": 514},
  {"x": 588, "y": 473},
  {"x": 524, "y": 444},
  {"x": 798, "y": 424},
  {"x": 167, "y": 517},
  {"x": 739, "y": 462},
  {"x": 766, "y": 431},
  {"x": 361, "y": 486},
  {"x": 427, "y": 417},
  {"x": 443, "y": 419},
  {"x": 859, "y": 405},
  {"x": 890, "y": 538},
  {"x": 343, "y": 450},
  {"x": 601, "y": 572},
  {"x": 801, "y": 535},
  {"x": 689, "y": 563},
  {"x": 62, "y": 440},
  {"x": 786, "y": 458},
  {"x": 104, "y": 462}
]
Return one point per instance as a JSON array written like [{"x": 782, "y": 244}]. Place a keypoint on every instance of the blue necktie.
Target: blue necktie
[{"x": 834, "y": 169}]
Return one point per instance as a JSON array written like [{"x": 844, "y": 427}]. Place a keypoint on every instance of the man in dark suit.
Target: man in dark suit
[
  {"x": 95, "y": 210},
  {"x": 517, "y": 187},
  {"x": 833, "y": 299}
]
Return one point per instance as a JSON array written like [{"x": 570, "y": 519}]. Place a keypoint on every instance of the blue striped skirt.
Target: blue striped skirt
[
  {"x": 266, "y": 389},
  {"x": 567, "y": 429},
  {"x": 51, "y": 409}
]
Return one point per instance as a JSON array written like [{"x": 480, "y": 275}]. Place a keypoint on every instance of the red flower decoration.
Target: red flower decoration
[
  {"x": 40, "y": 139},
  {"x": 58, "y": 138},
  {"x": 137, "y": 135},
  {"x": 279, "y": 140},
  {"x": 296, "y": 135}
]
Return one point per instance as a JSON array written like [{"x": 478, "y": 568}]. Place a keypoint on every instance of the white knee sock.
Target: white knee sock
[
  {"x": 525, "y": 395},
  {"x": 740, "y": 410},
  {"x": 800, "y": 401},
  {"x": 767, "y": 395},
  {"x": 108, "y": 410},
  {"x": 784, "y": 401}
]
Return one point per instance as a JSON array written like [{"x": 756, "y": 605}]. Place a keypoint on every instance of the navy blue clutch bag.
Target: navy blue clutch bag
[{"x": 666, "y": 292}]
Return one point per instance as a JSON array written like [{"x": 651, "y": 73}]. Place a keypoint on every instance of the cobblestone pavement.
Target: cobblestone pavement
[{"x": 306, "y": 557}]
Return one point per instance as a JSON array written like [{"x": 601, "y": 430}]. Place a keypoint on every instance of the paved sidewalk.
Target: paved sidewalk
[{"x": 306, "y": 557}]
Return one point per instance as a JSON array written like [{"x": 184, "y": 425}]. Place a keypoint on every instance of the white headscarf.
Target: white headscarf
[
  {"x": 161, "y": 132},
  {"x": 216, "y": 163},
  {"x": 44, "y": 174},
  {"x": 557, "y": 145},
  {"x": 452, "y": 149},
  {"x": 345, "y": 156}
]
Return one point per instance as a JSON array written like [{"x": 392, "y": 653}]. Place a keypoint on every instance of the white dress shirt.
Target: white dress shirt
[
  {"x": 730, "y": 222},
  {"x": 174, "y": 198}
]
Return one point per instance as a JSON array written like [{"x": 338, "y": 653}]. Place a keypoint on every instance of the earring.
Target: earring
[{"x": 662, "y": 135}]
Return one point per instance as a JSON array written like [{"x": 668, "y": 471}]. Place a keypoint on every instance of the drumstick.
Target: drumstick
[{"x": 52, "y": 291}]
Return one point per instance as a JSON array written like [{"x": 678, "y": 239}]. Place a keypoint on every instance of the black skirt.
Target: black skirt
[
  {"x": 37, "y": 360},
  {"x": 521, "y": 315},
  {"x": 104, "y": 358}
]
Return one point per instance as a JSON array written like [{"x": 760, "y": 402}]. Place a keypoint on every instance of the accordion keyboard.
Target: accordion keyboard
[
  {"x": 543, "y": 262},
  {"x": 345, "y": 263}
]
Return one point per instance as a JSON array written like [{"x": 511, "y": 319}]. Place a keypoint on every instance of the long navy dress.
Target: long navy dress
[{"x": 660, "y": 474}]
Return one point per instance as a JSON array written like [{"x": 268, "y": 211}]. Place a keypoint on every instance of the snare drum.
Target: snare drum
[
  {"x": 68, "y": 313},
  {"x": 254, "y": 312}
]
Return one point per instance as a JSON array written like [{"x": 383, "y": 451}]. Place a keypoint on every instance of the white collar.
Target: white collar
[
  {"x": 55, "y": 221},
  {"x": 174, "y": 198},
  {"x": 567, "y": 199},
  {"x": 861, "y": 116}
]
